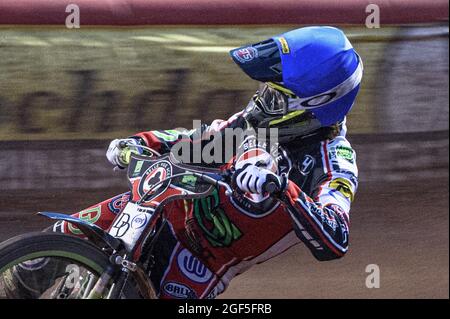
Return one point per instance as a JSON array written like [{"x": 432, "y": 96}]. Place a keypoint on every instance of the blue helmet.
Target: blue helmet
[{"x": 312, "y": 73}]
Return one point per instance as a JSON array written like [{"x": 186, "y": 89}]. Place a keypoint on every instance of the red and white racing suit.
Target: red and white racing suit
[{"x": 209, "y": 241}]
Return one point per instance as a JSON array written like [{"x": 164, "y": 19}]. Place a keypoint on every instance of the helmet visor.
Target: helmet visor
[{"x": 259, "y": 61}]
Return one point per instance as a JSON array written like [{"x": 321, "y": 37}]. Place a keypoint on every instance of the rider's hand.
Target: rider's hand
[
  {"x": 253, "y": 179},
  {"x": 117, "y": 154}
]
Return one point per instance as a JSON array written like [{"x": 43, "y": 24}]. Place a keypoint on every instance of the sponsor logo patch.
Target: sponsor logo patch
[
  {"x": 246, "y": 54},
  {"x": 179, "y": 291},
  {"x": 318, "y": 100},
  {"x": 326, "y": 218},
  {"x": 217, "y": 228},
  {"x": 343, "y": 152},
  {"x": 284, "y": 45},
  {"x": 137, "y": 168},
  {"x": 307, "y": 165},
  {"x": 193, "y": 268},
  {"x": 189, "y": 180},
  {"x": 116, "y": 204},
  {"x": 90, "y": 215},
  {"x": 343, "y": 186},
  {"x": 153, "y": 175},
  {"x": 139, "y": 221}
]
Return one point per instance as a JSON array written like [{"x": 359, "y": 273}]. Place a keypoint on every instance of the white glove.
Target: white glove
[
  {"x": 257, "y": 180},
  {"x": 114, "y": 154}
]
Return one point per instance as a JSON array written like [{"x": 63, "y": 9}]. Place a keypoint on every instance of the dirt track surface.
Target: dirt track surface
[{"x": 401, "y": 227}]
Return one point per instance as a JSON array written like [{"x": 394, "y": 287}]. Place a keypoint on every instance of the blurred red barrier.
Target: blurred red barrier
[{"x": 221, "y": 12}]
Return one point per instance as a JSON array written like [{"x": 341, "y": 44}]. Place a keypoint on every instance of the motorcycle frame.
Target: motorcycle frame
[{"x": 122, "y": 262}]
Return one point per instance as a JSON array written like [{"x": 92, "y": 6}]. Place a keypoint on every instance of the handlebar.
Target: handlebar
[
  {"x": 217, "y": 180},
  {"x": 123, "y": 144},
  {"x": 214, "y": 179}
]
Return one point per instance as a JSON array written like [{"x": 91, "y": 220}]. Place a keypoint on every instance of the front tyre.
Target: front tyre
[{"x": 49, "y": 265}]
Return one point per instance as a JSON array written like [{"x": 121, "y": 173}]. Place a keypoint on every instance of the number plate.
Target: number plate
[{"x": 130, "y": 224}]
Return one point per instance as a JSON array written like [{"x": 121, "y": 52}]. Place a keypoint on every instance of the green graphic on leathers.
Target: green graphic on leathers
[{"x": 217, "y": 227}]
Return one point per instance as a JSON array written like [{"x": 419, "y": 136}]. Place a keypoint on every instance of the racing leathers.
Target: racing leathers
[{"x": 209, "y": 241}]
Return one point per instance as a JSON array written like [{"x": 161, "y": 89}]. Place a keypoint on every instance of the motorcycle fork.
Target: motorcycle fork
[
  {"x": 98, "y": 290},
  {"x": 121, "y": 268},
  {"x": 143, "y": 282}
]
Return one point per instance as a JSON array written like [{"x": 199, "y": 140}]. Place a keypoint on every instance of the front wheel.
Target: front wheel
[{"x": 49, "y": 266}]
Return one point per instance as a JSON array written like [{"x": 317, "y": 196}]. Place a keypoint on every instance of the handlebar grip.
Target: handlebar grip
[
  {"x": 123, "y": 144},
  {"x": 271, "y": 187}
]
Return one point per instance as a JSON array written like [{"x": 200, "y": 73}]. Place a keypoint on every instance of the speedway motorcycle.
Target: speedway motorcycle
[{"x": 112, "y": 264}]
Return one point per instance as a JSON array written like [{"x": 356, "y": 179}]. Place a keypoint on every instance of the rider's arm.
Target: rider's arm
[
  {"x": 162, "y": 141},
  {"x": 322, "y": 221}
]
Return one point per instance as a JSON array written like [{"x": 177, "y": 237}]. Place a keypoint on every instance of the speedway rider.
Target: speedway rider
[{"x": 311, "y": 77}]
